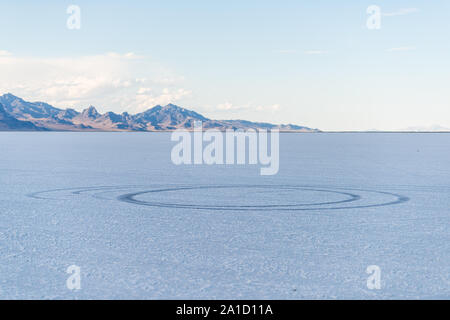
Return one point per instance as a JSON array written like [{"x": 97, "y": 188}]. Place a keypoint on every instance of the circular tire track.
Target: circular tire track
[
  {"x": 353, "y": 198},
  {"x": 131, "y": 198},
  {"x": 77, "y": 191}
]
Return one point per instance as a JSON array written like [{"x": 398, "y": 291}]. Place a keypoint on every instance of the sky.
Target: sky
[{"x": 314, "y": 63}]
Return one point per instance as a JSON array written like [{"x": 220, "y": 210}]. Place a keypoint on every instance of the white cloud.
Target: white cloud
[
  {"x": 274, "y": 107},
  {"x": 129, "y": 55},
  {"x": 227, "y": 106},
  {"x": 401, "y": 12},
  {"x": 111, "y": 81},
  {"x": 148, "y": 97},
  {"x": 169, "y": 80},
  {"x": 144, "y": 91},
  {"x": 4, "y": 53}
]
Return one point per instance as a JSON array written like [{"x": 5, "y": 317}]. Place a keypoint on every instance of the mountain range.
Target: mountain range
[{"x": 17, "y": 114}]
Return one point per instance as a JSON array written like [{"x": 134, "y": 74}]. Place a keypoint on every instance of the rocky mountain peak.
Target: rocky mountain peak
[
  {"x": 90, "y": 112},
  {"x": 17, "y": 114},
  {"x": 10, "y": 97}
]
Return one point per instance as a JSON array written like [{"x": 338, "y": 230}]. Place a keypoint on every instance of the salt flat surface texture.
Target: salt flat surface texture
[{"x": 140, "y": 227}]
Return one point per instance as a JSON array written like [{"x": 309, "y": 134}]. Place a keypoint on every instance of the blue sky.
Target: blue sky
[{"x": 312, "y": 63}]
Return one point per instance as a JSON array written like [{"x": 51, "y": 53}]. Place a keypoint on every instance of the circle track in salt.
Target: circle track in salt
[
  {"x": 349, "y": 198},
  {"x": 352, "y": 197}
]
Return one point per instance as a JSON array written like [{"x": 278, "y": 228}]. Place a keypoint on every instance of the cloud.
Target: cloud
[
  {"x": 110, "y": 81},
  {"x": 400, "y": 12},
  {"x": 4, "y": 53},
  {"x": 148, "y": 97},
  {"x": 227, "y": 106},
  {"x": 273, "y": 107},
  {"x": 400, "y": 49},
  {"x": 129, "y": 55}
]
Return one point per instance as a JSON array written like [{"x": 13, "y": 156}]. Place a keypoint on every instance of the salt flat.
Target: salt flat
[{"x": 140, "y": 227}]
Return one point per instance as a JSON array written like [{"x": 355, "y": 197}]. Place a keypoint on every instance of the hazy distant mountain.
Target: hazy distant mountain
[
  {"x": 9, "y": 123},
  {"x": 434, "y": 128},
  {"x": 19, "y": 108},
  {"x": 42, "y": 116}
]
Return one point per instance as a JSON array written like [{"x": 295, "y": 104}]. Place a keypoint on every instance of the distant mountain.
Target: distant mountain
[
  {"x": 434, "y": 128},
  {"x": 9, "y": 123},
  {"x": 18, "y": 114}
]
